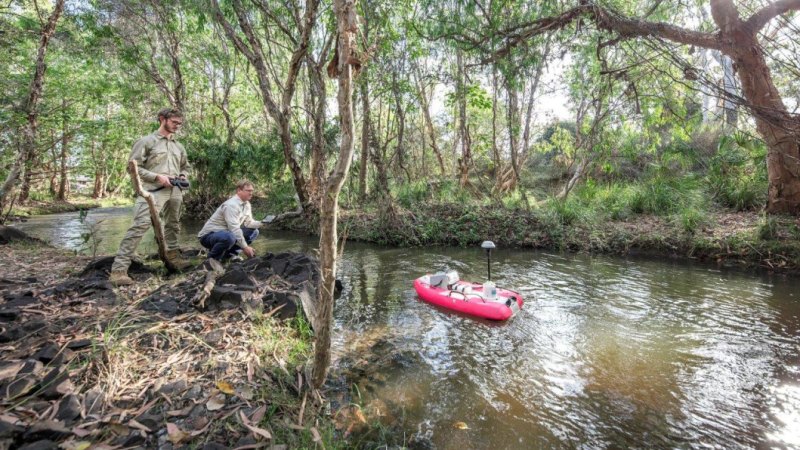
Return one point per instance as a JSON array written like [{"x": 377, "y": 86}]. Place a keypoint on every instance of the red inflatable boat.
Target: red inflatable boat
[{"x": 474, "y": 299}]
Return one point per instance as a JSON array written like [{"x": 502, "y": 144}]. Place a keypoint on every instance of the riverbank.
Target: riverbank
[
  {"x": 77, "y": 203},
  {"x": 84, "y": 365},
  {"x": 732, "y": 239}
]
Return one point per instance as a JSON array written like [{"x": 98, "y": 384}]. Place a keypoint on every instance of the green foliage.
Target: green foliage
[
  {"x": 410, "y": 194},
  {"x": 737, "y": 174},
  {"x": 219, "y": 165}
]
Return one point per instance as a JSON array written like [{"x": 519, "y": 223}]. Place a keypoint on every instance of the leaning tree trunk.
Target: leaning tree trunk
[
  {"x": 781, "y": 132},
  {"x": 28, "y": 132},
  {"x": 347, "y": 25}
]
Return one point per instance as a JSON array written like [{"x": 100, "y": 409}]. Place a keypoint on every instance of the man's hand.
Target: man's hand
[
  {"x": 249, "y": 251},
  {"x": 163, "y": 180}
]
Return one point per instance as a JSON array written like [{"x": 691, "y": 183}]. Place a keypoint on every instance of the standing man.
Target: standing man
[
  {"x": 159, "y": 158},
  {"x": 231, "y": 228}
]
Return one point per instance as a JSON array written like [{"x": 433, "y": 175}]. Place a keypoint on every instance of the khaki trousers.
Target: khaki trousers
[{"x": 168, "y": 203}]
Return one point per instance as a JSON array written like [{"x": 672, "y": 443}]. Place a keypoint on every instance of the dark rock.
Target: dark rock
[
  {"x": 214, "y": 446},
  {"x": 279, "y": 263},
  {"x": 47, "y": 353},
  {"x": 133, "y": 439},
  {"x": 10, "y": 334},
  {"x": 46, "y": 429},
  {"x": 44, "y": 444},
  {"x": 8, "y": 313},
  {"x": 286, "y": 301},
  {"x": 40, "y": 406},
  {"x": 104, "y": 265},
  {"x": 213, "y": 338},
  {"x": 174, "y": 387},
  {"x": 194, "y": 393},
  {"x": 32, "y": 366},
  {"x": 56, "y": 384},
  {"x": 69, "y": 409},
  {"x": 93, "y": 402},
  {"x": 21, "y": 300},
  {"x": 9, "y": 235},
  {"x": 34, "y": 326},
  {"x": 9, "y": 430},
  {"x": 227, "y": 297},
  {"x": 152, "y": 421},
  {"x": 236, "y": 276},
  {"x": 10, "y": 369},
  {"x": 79, "y": 344},
  {"x": 246, "y": 440},
  {"x": 21, "y": 385},
  {"x": 169, "y": 307}
]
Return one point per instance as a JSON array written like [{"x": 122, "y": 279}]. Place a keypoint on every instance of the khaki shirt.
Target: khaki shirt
[
  {"x": 231, "y": 216},
  {"x": 155, "y": 155}
]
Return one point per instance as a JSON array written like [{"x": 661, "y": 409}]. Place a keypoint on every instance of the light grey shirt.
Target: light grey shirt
[{"x": 231, "y": 216}]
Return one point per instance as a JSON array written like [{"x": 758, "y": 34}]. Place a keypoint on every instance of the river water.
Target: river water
[{"x": 606, "y": 353}]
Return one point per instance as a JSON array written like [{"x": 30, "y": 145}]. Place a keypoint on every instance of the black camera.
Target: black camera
[{"x": 181, "y": 183}]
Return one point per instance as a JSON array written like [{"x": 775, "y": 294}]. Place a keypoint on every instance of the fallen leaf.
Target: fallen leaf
[
  {"x": 225, "y": 387},
  {"x": 258, "y": 414},
  {"x": 315, "y": 436},
  {"x": 259, "y": 431},
  {"x": 175, "y": 434},
  {"x": 246, "y": 392},
  {"x": 215, "y": 402},
  {"x": 460, "y": 426},
  {"x": 75, "y": 445},
  {"x": 134, "y": 424}
]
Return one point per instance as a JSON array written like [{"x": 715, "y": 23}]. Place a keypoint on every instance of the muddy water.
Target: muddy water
[{"x": 606, "y": 353}]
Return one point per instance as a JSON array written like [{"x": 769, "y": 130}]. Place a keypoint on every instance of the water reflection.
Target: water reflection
[{"x": 610, "y": 353}]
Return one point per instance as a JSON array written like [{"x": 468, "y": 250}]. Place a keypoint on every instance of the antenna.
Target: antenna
[{"x": 488, "y": 246}]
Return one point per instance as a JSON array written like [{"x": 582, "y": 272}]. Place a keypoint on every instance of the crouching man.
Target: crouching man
[{"x": 231, "y": 228}]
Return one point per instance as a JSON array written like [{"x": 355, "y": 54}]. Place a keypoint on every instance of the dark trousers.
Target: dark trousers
[{"x": 222, "y": 244}]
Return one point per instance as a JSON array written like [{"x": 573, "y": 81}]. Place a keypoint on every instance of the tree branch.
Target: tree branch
[{"x": 758, "y": 20}]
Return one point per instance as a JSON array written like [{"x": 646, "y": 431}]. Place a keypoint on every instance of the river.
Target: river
[{"x": 606, "y": 353}]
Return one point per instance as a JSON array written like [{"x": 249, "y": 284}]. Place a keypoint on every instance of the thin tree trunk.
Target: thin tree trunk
[
  {"x": 366, "y": 127},
  {"x": 347, "y": 29},
  {"x": 465, "y": 161},
  {"x": 426, "y": 112},
  {"x": 28, "y": 133},
  {"x": 63, "y": 184}
]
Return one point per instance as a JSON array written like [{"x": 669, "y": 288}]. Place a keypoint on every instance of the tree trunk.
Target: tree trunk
[
  {"x": 27, "y": 148},
  {"x": 347, "y": 25},
  {"x": 63, "y": 185},
  {"x": 465, "y": 161},
  {"x": 736, "y": 38},
  {"x": 426, "y": 112},
  {"x": 366, "y": 127},
  {"x": 318, "y": 100},
  {"x": 279, "y": 110}
]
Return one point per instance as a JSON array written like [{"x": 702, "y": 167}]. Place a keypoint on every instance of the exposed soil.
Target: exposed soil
[{"x": 83, "y": 364}]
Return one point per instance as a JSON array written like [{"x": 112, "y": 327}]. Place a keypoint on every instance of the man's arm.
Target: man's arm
[
  {"x": 232, "y": 222},
  {"x": 141, "y": 150},
  {"x": 248, "y": 218},
  {"x": 186, "y": 168}
]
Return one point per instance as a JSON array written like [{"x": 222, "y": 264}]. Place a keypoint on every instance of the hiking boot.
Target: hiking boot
[
  {"x": 118, "y": 279},
  {"x": 177, "y": 260}
]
